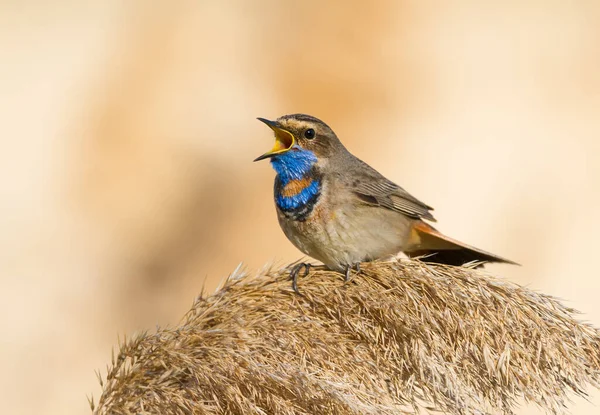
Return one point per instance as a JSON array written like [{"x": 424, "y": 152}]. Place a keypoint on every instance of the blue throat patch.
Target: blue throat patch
[
  {"x": 291, "y": 203},
  {"x": 296, "y": 164}
]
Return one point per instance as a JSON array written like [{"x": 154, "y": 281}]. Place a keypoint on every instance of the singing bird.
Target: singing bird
[{"x": 339, "y": 210}]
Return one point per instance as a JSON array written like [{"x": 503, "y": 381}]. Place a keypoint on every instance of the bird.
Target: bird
[{"x": 337, "y": 209}]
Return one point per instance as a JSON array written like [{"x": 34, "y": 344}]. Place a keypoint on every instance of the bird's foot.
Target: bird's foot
[
  {"x": 355, "y": 266},
  {"x": 294, "y": 274}
]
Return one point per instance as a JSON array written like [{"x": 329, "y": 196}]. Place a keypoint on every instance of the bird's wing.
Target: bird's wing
[{"x": 373, "y": 188}]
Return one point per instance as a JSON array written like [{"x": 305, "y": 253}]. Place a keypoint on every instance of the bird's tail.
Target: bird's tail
[{"x": 436, "y": 247}]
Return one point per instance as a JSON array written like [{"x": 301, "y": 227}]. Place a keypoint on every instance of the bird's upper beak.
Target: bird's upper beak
[{"x": 284, "y": 140}]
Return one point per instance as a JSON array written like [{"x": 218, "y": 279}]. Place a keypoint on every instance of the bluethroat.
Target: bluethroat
[{"x": 339, "y": 210}]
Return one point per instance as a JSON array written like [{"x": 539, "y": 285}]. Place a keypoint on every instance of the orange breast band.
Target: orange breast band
[{"x": 295, "y": 186}]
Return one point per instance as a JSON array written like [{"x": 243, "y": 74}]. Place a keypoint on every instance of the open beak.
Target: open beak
[{"x": 284, "y": 140}]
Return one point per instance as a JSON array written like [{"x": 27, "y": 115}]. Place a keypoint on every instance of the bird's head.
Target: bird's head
[{"x": 300, "y": 133}]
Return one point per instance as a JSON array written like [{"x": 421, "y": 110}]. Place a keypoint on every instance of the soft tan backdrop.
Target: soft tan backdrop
[{"x": 128, "y": 132}]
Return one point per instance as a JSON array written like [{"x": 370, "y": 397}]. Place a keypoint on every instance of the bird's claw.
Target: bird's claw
[
  {"x": 294, "y": 274},
  {"x": 356, "y": 267}
]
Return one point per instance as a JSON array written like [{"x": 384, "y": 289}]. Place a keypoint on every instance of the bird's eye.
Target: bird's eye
[{"x": 310, "y": 134}]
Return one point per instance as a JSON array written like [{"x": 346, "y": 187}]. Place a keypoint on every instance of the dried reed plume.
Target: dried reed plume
[{"x": 401, "y": 336}]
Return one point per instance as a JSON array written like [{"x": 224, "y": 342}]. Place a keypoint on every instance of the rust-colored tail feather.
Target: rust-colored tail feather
[{"x": 438, "y": 248}]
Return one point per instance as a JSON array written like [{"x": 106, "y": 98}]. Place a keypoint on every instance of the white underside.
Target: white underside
[{"x": 344, "y": 236}]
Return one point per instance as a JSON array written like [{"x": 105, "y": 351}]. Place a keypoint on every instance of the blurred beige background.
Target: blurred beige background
[{"x": 128, "y": 130}]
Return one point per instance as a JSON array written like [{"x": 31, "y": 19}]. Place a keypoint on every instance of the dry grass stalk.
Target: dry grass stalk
[{"x": 400, "y": 336}]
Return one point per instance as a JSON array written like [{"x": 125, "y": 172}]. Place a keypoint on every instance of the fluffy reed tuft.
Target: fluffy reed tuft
[{"x": 401, "y": 336}]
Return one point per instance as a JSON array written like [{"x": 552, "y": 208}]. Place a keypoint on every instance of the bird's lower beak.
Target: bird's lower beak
[{"x": 284, "y": 140}]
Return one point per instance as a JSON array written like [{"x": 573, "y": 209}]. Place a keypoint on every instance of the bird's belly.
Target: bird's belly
[{"x": 344, "y": 236}]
